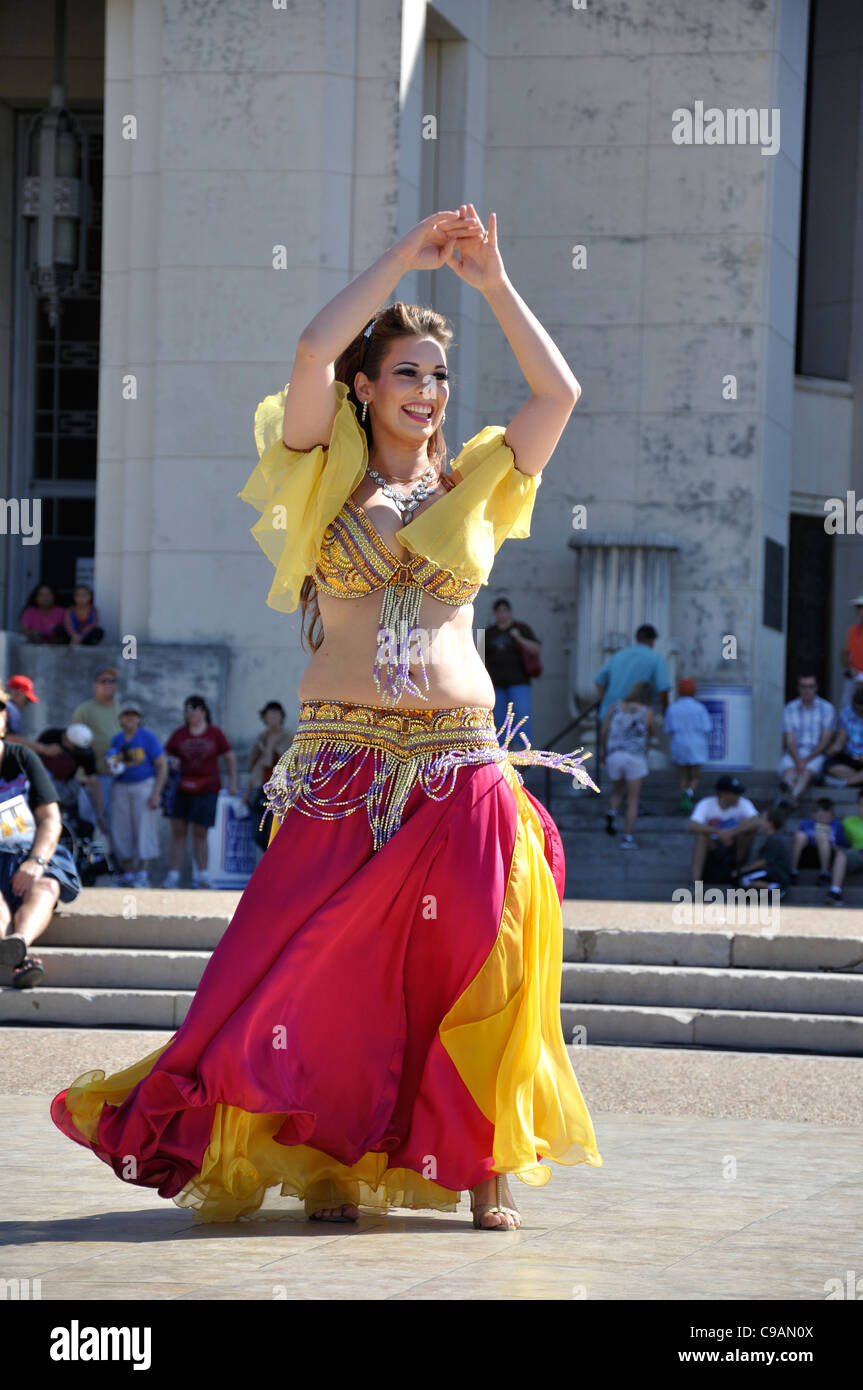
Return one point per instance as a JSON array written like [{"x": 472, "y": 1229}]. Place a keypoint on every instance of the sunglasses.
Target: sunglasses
[{"x": 2, "y": 706}]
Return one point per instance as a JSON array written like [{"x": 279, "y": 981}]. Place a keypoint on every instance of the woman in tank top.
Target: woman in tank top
[{"x": 627, "y": 726}]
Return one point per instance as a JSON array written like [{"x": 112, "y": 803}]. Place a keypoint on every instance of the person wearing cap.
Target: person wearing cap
[
  {"x": 35, "y": 869},
  {"x": 139, "y": 766},
  {"x": 20, "y": 692},
  {"x": 67, "y": 756},
  {"x": 808, "y": 725},
  {"x": 724, "y": 828},
  {"x": 629, "y": 667},
  {"x": 689, "y": 724},
  {"x": 852, "y": 653},
  {"x": 100, "y": 714},
  {"x": 845, "y": 750}
]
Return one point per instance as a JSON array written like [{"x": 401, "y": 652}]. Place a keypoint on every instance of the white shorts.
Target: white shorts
[
  {"x": 630, "y": 766},
  {"x": 814, "y": 764},
  {"x": 134, "y": 827}
]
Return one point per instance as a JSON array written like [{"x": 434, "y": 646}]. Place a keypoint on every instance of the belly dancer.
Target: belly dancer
[{"x": 380, "y": 1024}]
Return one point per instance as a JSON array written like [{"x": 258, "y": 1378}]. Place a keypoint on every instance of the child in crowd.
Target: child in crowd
[
  {"x": 689, "y": 724},
  {"x": 850, "y": 859},
  {"x": 626, "y": 729},
  {"x": 773, "y": 867},
  {"x": 822, "y": 835},
  {"x": 81, "y": 621}
]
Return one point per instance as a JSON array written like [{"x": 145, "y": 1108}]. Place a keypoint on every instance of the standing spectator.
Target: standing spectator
[
  {"x": 807, "y": 731},
  {"x": 820, "y": 838},
  {"x": 67, "y": 757},
  {"x": 81, "y": 621},
  {"x": 20, "y": 692},
  {"x": 35, "y": 869},
  {"x": 265, "y": 752},
  {"x": 848, "y": 860},
  {"x": 689, "y": 724},
  {"x": 42, "y": 617},
  {"x": 623, "y": 747},
  {"x": 724, "y": 827},
  {"x": 845, "y": 752},
  {"x": 100, "y": 714},
  {"x": 640, "y": 662},
  {"x": 137, "y": 760},
  {"x": 852, "y": 653},
  {"x": 197, "y": 745},
  {"x": 505, "y": 643},
  {"x": 772, "y": 868}
]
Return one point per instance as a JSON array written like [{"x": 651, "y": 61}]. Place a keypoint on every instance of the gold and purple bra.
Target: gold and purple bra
[{"x": 310, "y": 526}]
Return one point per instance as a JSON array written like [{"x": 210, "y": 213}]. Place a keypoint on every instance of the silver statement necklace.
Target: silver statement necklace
[{"x": 407, "y": 505}]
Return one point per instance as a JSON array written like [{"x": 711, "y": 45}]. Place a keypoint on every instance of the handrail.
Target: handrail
[{"x": 571, "y": 726}]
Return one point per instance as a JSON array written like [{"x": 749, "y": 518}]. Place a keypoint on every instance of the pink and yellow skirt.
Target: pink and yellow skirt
[{"x": 380, "y": 1023}]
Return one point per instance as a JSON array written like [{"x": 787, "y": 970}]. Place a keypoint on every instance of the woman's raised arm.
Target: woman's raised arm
[
  {"x": 311, "y": 404},
  {"x": 535, "y": 429}
]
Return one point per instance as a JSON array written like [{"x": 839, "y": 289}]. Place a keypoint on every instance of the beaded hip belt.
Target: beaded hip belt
[{"x": 424, "y": 747}]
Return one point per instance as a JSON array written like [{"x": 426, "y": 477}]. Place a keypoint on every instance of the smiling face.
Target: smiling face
[{"x": 408, "y": 398}]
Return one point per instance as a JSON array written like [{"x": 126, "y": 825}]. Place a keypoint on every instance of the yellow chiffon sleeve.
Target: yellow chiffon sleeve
[
  {"x": 491, "y": 503},
  {"x": 299, "y": 493}
]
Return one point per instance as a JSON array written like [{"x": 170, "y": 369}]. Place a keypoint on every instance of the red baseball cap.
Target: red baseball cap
[{"x": 24, "y": 684}]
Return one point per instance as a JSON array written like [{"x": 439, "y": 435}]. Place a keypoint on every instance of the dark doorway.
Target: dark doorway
[{"x": 810, "y": 585}]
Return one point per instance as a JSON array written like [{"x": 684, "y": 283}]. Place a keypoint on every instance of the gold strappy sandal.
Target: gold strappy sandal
[{"x": 479, "y": 1210}]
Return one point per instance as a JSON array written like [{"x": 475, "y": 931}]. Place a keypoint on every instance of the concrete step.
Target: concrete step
[
  {"x": 685, "y": 986},
  {"x": 96, "y": 967},
  {"x": 736, "y": 1030},
  {"x": 96, "y": 1008},
  {"x": 710, "y": 948}
]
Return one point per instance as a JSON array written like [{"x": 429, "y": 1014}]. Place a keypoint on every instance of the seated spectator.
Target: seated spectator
[
  {"x": 845, "y": 752},
  {"x": 724, "y": 827},
  {"x": 139, "y": 766},
  {"x": 850, "y": 860},
  {"x": 35, "y": 869},
  {"x": 818, "y": 839},
  {"x": 772, "y": 868},
  {"x": 65, "y": 753},
  {"x": 81, "y": 621},
  {"x": 42, "y": 619},
  {"x": 20, "y": 692},
  {"x": 689, "y": 724},
  {"x": 807, "y": 729},
  {"x": 627, "y": 726}
]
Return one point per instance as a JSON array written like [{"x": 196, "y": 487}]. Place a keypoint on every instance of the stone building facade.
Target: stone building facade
[{"x": 699, "y": 271}]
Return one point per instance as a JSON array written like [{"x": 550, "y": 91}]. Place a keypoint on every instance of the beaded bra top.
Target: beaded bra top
[
  {"x": 354, "y": 561},
  {"x": 310, "y": 527}
]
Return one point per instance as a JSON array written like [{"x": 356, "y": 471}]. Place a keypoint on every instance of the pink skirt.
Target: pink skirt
[{"x": 380, "y": 1022}]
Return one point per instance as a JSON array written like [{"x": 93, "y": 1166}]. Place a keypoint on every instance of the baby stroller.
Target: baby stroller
[{"x": 92, "y": 857}]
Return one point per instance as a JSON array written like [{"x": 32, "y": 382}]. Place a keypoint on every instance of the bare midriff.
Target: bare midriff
[{"x": 341, "y": 668}]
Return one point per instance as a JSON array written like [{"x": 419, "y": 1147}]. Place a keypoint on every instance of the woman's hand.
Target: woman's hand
[
  {"x": 429, "y": 244},
  {"x": 477, "y": 260}
]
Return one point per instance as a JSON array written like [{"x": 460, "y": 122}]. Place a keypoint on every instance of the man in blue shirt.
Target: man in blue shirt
[{"x": 640, "y": 662}]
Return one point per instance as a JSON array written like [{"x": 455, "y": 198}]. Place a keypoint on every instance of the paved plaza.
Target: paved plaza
[{"x": 730, "y": 1176}]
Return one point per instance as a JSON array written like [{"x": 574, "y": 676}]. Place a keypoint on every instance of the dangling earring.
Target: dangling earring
[
  {"x": 443, "y": 416},
  {"x": 365, "y": 410}
]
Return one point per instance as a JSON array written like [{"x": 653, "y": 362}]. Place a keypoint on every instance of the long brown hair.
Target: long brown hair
[{"x": 396, "y": 320}]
